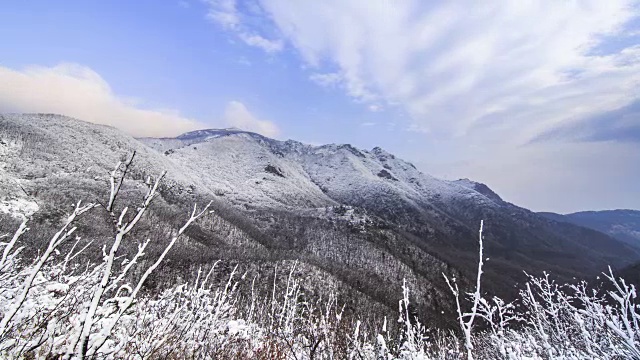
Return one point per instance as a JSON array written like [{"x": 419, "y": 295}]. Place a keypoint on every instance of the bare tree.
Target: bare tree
[{"x": 466, "y": 319}]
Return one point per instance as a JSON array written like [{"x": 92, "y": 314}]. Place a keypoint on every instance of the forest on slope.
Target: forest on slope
[{"x": 356, "y": 222}]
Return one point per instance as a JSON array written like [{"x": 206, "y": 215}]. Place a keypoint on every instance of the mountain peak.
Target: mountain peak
[
  {"x": 211, "y": 133},
  {"x": 343, "y": 210},
  {"x": 479, "y": 187}
]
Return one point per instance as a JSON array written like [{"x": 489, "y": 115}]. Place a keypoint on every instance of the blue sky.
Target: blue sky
[{"x": 538, "y": 99}]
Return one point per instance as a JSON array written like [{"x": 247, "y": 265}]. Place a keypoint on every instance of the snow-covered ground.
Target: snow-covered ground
[{"x": 20, "y": 208}]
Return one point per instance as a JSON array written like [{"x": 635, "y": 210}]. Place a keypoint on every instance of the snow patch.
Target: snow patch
[{"x": 18, "y": 208}]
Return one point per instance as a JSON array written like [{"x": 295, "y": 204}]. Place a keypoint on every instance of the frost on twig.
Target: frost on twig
[
  {"x": 63, "y": 306},
  {"x": 57, "y": 239},
  {"x": 54, "y": 307},
  {"x": 115, "y": 181},
  {"x": 88, "y": 341},
  {"x": 465, "y": 320}
]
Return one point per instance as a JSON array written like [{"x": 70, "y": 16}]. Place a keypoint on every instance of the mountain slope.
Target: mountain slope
[
  {"x": 357, "y": 221},
  {"x": 623, "y": 225},
  {"x": 440, "y": 216}
]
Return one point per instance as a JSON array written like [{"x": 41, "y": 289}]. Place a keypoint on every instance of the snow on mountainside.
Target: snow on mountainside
[
  {"x": 15, "y": 201},
  {"x": 479, "y": 187},
  {"x": 248, "y": 167},
  {"x": 41, "y": 152},
  {"x": 253, "y": 171},
  {"x": 57, "y": 145},
  {"x": 363, "y": 218},
  {"x": 239, "y": 167}
]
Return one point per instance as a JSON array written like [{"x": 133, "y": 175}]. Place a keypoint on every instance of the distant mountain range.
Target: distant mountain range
[
  {"x": 356, "y": 221},
  {"x": 623, "y": 225}
]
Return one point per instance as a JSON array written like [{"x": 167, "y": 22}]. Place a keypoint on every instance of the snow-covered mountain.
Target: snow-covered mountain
[
  {"x": 360, "y": 220},
  {"x": 623, "y": 225},
  {"x": 257, "y": 172},
  {"x": 251, "y": 169}
]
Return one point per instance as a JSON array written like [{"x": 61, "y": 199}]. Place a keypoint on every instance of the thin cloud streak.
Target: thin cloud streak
[
  {"x": 462, "y": 68},
  {"x": 485, "y": 80}
]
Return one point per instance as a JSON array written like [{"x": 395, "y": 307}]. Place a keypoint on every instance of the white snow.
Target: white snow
[
  {"x": 244, "y": 169},
  {"x": 19, "y": 208},
  {"x": 234, "y": 165}
]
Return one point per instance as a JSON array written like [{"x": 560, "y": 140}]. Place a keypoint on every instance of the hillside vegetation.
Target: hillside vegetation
[{"x": 302, "y": 252}]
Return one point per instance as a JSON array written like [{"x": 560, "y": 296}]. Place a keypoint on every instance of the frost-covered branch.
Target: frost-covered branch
[
  {"x": 625, "y": 321},
  {"x": 9, "y": 246},
  {"x": 54, "y": 243},
  {"x": 54, "y": 307},
  {"x": 467, "y": 325},
  {"x": 116, "y": 180},
  {"x": 125, "y": 303},
  {"x": 123, "y": 228}
]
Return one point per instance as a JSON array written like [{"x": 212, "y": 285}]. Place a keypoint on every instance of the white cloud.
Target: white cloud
[
  {"x": 270, "y": 46},
  {"x": 483, "y": 77},
  {"x": 244, "y": 61},
  {"x": 419, "y": 128},
  {"x": 225, "y": 13},
  {"x": 237, "y": 115},
  {"x": 80, "y": 92},
  {"x": 326, "y": 80},
  {"x": 375, "y": 107},
  {"x": 517, "y": 68}
]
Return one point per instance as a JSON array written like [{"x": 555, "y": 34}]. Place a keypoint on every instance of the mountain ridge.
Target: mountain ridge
[
  {"x": 378, "y": 171},
  {"x": 359, "y": 219},
  {"x": 622, "y": 224}
]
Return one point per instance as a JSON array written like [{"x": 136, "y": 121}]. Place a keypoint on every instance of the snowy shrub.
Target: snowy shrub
[{"x": 55, "y": 307}]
